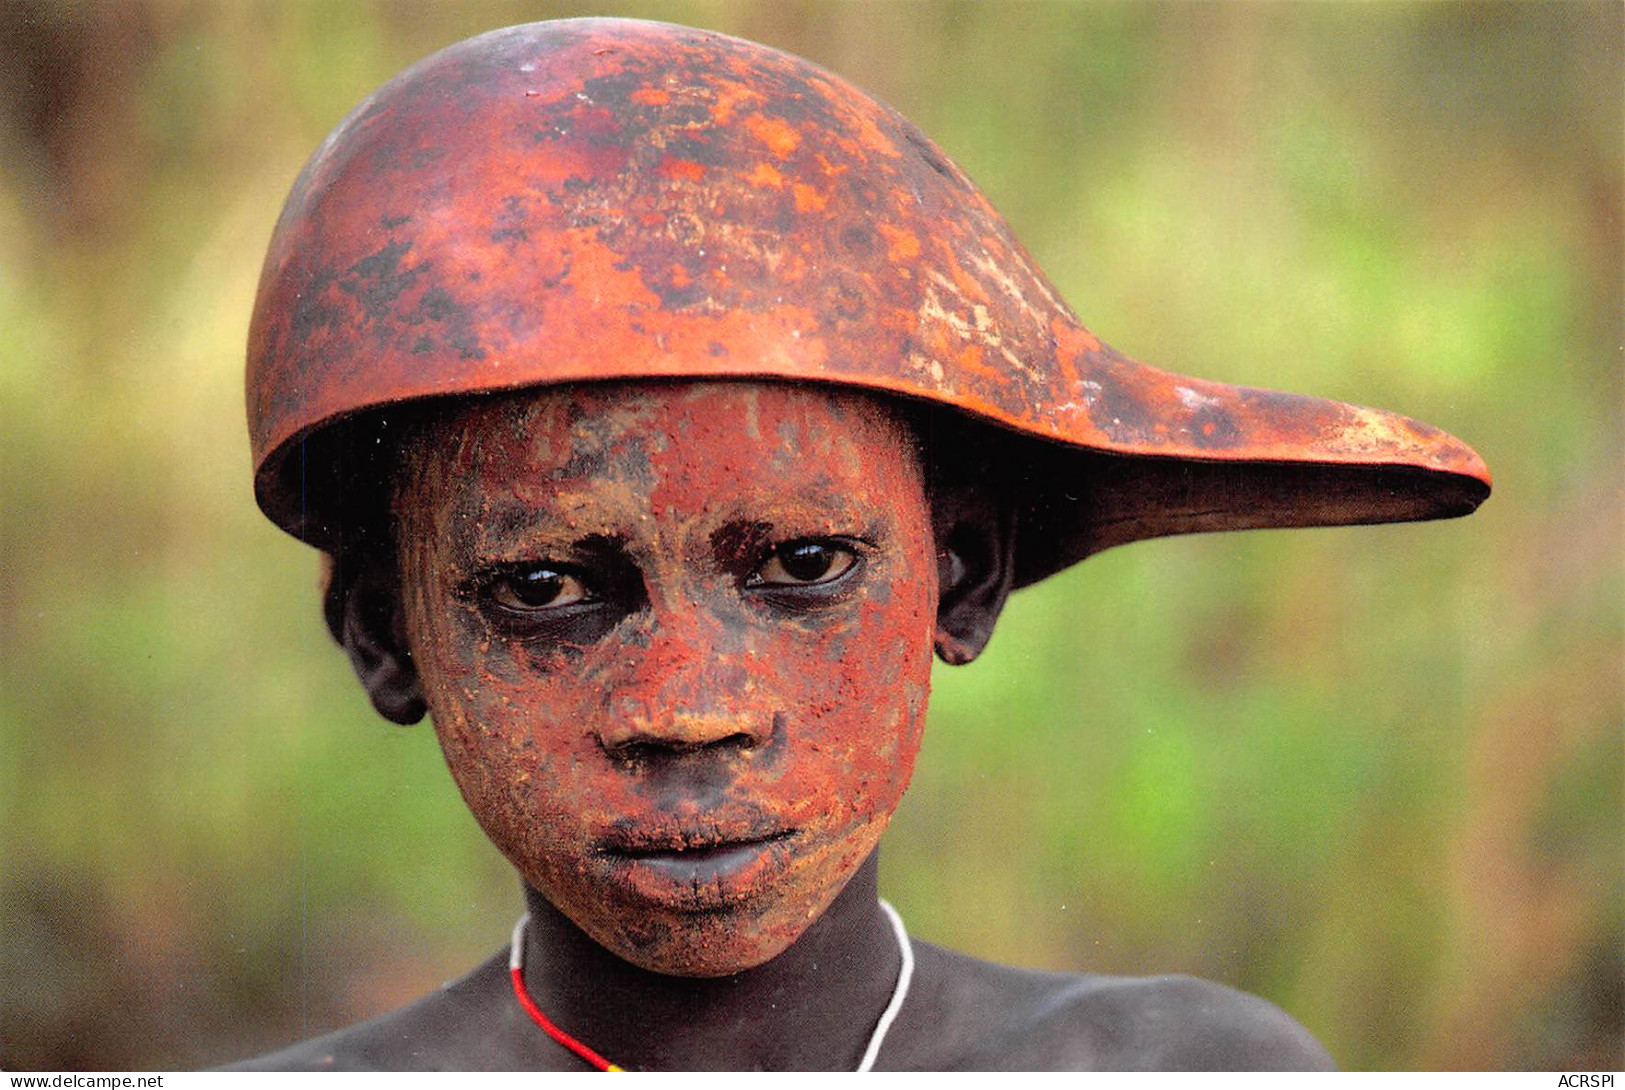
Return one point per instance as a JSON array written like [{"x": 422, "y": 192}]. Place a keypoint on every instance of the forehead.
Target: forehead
[{"x": 679, "y": 443}]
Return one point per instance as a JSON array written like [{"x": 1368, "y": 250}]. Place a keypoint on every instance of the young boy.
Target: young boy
[{"x": 662, "y": 402}]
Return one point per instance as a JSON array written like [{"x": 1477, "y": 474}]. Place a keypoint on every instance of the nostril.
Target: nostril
[{"x": 656, "y": 749}]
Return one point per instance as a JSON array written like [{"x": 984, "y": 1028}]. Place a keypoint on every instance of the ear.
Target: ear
[
  {"x": 975, "y": 538},
  {"x": 370, "y": 625}
]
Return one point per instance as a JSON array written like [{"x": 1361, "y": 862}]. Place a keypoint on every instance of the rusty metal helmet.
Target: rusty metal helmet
[{"x": 594, "y": 199}]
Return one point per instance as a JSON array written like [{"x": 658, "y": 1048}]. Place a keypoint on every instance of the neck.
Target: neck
[{"x": 813, "y": 1007}]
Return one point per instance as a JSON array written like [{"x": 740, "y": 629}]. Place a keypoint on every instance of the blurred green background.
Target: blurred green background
[{"x": 1372, "y": 774}]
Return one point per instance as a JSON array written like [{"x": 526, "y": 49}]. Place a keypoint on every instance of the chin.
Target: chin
[
  {"x": 695, "y": 947},
  {"x": 712, "y": 942},
  {"x": 717, "y": 927}
]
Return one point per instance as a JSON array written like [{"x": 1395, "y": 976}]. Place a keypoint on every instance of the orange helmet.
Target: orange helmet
[{"x": 595, "y": 199}]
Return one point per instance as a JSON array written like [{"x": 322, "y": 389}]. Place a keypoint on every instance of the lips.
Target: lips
[{"x": 693, "y": 870}]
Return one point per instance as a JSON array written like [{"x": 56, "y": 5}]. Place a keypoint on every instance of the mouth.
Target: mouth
[{"x": 694, "y": 871}]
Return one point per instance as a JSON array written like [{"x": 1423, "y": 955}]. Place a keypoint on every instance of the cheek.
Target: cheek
[
  {"x": 901, "y": 686},
  {"x": 497, "y": 722},
  {"x": 864, "y": 689},
  {"x": 852, "y": 698}
]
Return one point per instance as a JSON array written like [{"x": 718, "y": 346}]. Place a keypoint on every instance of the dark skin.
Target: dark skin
[{"x": 513, "y": 632}]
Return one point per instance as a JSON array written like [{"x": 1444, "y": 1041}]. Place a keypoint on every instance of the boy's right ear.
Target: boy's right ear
[{"x": 373, "y": 631}]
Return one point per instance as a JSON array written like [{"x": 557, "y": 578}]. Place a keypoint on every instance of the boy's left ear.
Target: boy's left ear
[{"x": 975, "y": 539}]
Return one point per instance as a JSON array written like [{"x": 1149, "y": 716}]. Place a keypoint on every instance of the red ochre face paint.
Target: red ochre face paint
[{"x": 676, "y": 640}]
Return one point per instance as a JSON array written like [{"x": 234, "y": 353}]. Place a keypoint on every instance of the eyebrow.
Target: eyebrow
[
  {"x": 741, "y": 539},
  {"x": 586, "y": 549},
  {"x": 517, "y": 532}
]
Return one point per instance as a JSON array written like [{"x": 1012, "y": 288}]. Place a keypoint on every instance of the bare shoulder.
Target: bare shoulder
[
  {"x": 462, "y": 1026},
  {"x": 1181, "y": 1023},
  {"x": 992, "y": 1017}
]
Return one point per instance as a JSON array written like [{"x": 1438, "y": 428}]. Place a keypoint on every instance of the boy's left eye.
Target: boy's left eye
[{"x": 804, "y": 563}]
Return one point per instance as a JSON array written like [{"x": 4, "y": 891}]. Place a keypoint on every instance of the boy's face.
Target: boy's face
[{"x": 676, "y": 640}]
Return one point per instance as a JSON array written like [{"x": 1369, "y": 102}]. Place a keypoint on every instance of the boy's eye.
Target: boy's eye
[
  {"x": 804, "y": 563},
  {"x": 531, "y": 589}
]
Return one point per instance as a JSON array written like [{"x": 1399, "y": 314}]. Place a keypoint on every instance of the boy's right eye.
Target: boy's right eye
[{"x": 537, "y": 588}]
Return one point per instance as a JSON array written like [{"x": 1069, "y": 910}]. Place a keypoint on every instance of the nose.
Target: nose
[
  {"x": 670, "y": 733},
  {"x": 690, "y": 689}
]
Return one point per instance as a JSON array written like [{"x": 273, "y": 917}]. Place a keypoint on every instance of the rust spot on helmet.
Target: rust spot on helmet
[
  {"x": 776, "y": 133},
  {"x": 765, "y": 175}
]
